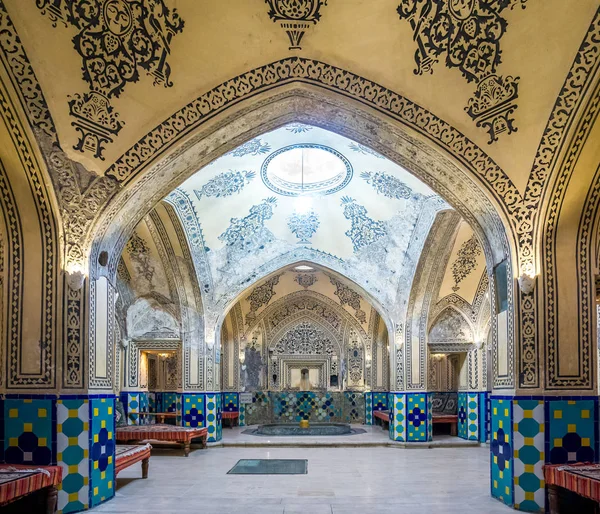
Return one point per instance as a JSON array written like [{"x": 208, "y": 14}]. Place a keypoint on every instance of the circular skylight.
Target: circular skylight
[{"x": 306, "y": 169}]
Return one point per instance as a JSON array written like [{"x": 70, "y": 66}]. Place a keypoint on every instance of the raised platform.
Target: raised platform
[{"x": 372, "y": 436}]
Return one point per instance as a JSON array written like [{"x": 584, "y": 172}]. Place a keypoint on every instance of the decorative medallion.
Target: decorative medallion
[
  {"x": 295, "y": 17},
  {"x": 261, "y": 295},
  {"x": 117, "y": 40},
  {"x": 304, "y": 226},
  {"x": 467, "y": 34},
  {"x": 306, "y": 280},
  {"x": 364, "y": 230},
  {"x": 225, "y": 184},
  {"x": 387, "y": 185},
  {"x": 466, "y": 260}
]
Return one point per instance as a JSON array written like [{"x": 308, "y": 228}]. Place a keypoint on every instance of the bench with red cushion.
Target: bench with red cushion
[
  {"x": 451, "y": 419},
  {"x": 128, "y": 455},
  {"x": 383, "y": 416},
  {"x": 581, "y": 479},
  {"x": 159, "y": 432},
  {"x": 20, "y": 480},
  {"x": 233, "y": 417}
]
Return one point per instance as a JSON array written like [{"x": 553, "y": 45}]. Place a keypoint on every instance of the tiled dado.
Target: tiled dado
[
  {"x": 135, "y": 405},
  {"x": 410, "y": 416},
  {"x": 75, "y": 432},
  {"x": 203, "y": 410},
  {"x": 528, "y": 432}
]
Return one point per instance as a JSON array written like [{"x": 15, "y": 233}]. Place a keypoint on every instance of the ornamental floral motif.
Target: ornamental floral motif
[
  {"x": 304, "y": 226},
  {"x": 365, "y": 150},
  {"x": 466, "y": 260},
  {"x": 225, "y": 184},
  {"x": 306, "y": 280},
  {"x": 298, "y": 128},
  {"x": 467, "y": 34},
  {"x": 349, "y": 297},
  {"x": 242, "y": 232},
  {"x": 261, "y": 296},
  {"x": 364, "y": 230},
  {"x": 255, "y": 147},
  {"x": 295, "y": 17},
  {"x": 139, "y": 253},
  {"x": 387, "y": 185},
  {"x": 117, "y": 40},
  {"x": 304, "y": 339}
]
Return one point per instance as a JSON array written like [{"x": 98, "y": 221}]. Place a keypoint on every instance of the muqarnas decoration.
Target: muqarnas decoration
[
  {"x": 387, "y": 185},
  {"x": 225, "y": 184},
  {"x": 304, "y": 226},
  {"x": 117, "y": 40},
  {"x": 468, "y": 33},
  {"x": 296, "y": 17},
  {"x": 466, "y": 260}
]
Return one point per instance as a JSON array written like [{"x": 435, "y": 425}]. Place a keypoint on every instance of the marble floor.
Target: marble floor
[{"x": 339, "y": 481}]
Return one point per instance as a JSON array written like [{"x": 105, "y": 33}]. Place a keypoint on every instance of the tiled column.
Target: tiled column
[
  {"x": 397, "y": 404},
  {"x": 76, "y": 432},
  {"x": 368, "y": 408},
  {"x": 418, "y": 413},
  {"x": 528, "y": 432},
  {"x": 203, "y": 410},
  {"x": 469, "y": 415}
]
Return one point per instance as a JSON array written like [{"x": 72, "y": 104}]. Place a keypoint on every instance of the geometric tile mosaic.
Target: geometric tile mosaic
[
  {"x": 29, "y": 431},
  {"x": 72, "y": 447},
  {"x": 429, "y": 417},
  {"x": 501, "y": 450},
  {"x": 473, "y": 416},
  {"x": 572, "y": 428},
  {"x": 484, "y": 417},
  {"x": 193, "y": 410},
  {"x": 102, "y": 451},
  {"x": 528, "y": 443},
  {"x": 212, "y": 417},
  {"x": 230, "y": 402},
  {"x": 462, "y": 431},
  {"x": 242, "y": 411},
  {"x": 291, "y": 407},
  {"x": 397, "y": 403},
  {"x": 219, "y": 416},
  {"x": 368, "y": 408},
  {"x": 416, "y": 417},
  {"x": 353, "y": 407}
]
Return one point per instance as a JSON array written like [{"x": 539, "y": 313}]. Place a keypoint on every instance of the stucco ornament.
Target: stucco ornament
[{"x": 526, "y": 283}]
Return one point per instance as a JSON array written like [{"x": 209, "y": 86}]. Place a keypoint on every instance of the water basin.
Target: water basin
[{"x": 315, "y": 429}]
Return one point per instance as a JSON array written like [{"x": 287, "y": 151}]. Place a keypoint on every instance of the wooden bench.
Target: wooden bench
[
  {"x": 451, "y": 419},
  {"x": 384, "y": 418},
  {"x": 233, "y": 418},
  {"x": 128, "y": 455},
  {"x": 573, "y": 488},
  {"x": 161, "y": 416},
  {"x": 163, "y": 433},
  {"x": 20, "y": 480}
]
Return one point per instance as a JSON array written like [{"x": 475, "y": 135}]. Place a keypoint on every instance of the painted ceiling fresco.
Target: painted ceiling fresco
[{"x": 303, "y": 193}]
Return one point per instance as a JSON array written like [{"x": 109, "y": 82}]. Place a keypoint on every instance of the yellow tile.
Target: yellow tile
[
  {"x": 542, "y": 484},
  {"x": 501, "y": 474},
  {"x": 507, "y": 490},
  {"x": 59, "y": 429},
  {"x": 515, "y": 427},
  {"x": 585, "y": 441},
  {"x": 42, "y": 413},
  {"x": 495, "y": 483},
  {"x": 528, "y": 441},
  {"x": 59, "y": 456},
  {"x": 507, "y": 464},
  {"x": 27, "y": 427},
  {"x": 506, "y": 438},
  {"x": 529, "y": 468},
  {"x": 73, "y": 441},
  {"x": 73, "y": 413},
  {"x": 42, "y": 441},
  {"x": 109, "y": 411},
  {"x": 103, "y": 475},
  {"x": 500, "y": 424},
  {"x": 95, "y": 438},
  {"x": 110, "y": 459},
  {"x": 516, "y": 480},
  {"x": 585, "y": 414},
  {"x": 506, "y": 413},
  {"x": 96, "y": 413},
  {"x": 28, "y": 401},
  {"x": 557, "y": 414},
  {"x": 13, "y": 441},
  {"x": 110, "y": 484},
  {"x": 86, "y": 426},
  {"x": 528, "y": 414},
  {"x": 495, "y": 460},
  {"x": 85, "y": 454},
  {"x": 529, "y": 496},
  {"x": 103, "y": 423},
  {"x": 558, "y": 442},
  {"x": 74, "y": 468},
  {"x": 13, "y": 413},
  {"x": 495, "y": 411},
  {"x": 516, "y": 454},
  {"x": 103, "y": 400},
  {"x": 571, "y": 402},
  {"x": 96, "y": 464},
  {"x": 571, "y": 428},
  {"x": 73, "y": 497},
  {"x": 110, "y": 435},
  {"x": 85, "y": 480},
  {"x": 95, "y": 491},
  {"x": 542, "y": 429}
]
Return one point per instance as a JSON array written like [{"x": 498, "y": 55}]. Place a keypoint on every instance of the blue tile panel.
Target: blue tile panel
[
  {"x": 212, "y": 415},
  {"x": 30, "y": 431},
  {"x": 528, "y": 442},
  {"x": 230, "y": 402},
  {"x": 397, "y": 403},
  {"x": 484, "y": 417},
  {"x": 429, "y": 417},
  {"x": 501, "y": 461},
  {"x": 73, "y": 420},
  {"x": 572, "y": 429},
  {"x": 416, "y": 417},
  {"x": 102, "y": 450},
  {"x": 353, "y": 407},
  {"x": 242, "y": 418},
  {"x": 193, "y": 410},
  {"x": 462, "y": 416}
]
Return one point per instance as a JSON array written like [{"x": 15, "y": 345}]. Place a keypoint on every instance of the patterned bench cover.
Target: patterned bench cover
[
  {"x": 160, "y": 432},
  {"x": 127, "y": 455},
  {"x": 384, "y": 415},
  {"x": 18, "y": 480},
  {"x": 582, "y": 479}
]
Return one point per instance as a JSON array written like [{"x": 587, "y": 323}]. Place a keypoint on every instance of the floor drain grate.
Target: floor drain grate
[{"x": 270, "y": 467}]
